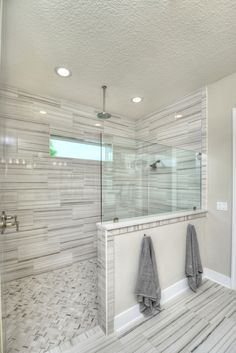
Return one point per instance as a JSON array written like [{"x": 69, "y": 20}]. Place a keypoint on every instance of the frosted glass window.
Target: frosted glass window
[{"x": 80, "y": 149}]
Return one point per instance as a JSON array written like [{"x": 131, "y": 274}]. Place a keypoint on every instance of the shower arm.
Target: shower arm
[
  {"x": 103, "y": 115},
  {"x": 104, "y": 98}
]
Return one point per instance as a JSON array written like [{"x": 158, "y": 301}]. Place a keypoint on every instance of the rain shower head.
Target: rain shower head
[{"x": 103, "y": 115}]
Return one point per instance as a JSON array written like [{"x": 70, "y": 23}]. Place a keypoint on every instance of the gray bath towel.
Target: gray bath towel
[
  {"x": 193, "y": 265},
  {"x": 148, "y": 291}
]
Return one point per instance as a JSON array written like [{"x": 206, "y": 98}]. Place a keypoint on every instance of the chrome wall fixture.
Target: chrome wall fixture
[{"x": 8, "y": 221}]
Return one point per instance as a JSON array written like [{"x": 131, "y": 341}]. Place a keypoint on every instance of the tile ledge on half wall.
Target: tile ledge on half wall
[{"x": 141, "y": 223}]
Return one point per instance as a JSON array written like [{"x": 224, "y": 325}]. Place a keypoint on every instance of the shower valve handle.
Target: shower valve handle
[
  {"x": 8, "y": 221},
  {"x": 17, "y": 224}
]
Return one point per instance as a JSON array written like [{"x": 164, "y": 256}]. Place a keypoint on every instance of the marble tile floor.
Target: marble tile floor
[
  {"x": 200, "y": 323},
  {"x": 45, "y": 310}
]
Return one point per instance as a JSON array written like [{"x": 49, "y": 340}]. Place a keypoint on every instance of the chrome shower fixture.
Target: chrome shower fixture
[
  {"x": 154, "y": 165},
  {"x": 199, "y": 156},
  {"x": 103, "y": 115}
]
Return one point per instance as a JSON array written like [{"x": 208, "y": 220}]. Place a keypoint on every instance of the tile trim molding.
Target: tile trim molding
[
  {"x": 131, "y": 316},
  {"x": 106, "y": 296},
  {"x": 137, "y": 224}
]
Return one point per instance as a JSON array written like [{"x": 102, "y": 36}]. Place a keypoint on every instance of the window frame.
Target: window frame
[{"x": 82, "y": 142}]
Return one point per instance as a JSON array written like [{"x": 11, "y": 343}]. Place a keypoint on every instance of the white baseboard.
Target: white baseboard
[
  {"x": 128, "y": 317},
  {"x": 217, "y": 277},
  {"x": 174, "y": 290}
]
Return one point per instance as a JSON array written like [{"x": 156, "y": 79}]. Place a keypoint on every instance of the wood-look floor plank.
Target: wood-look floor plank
[
  {"x": 215, "y": 339},
  {"x": 202, "y": 322}
]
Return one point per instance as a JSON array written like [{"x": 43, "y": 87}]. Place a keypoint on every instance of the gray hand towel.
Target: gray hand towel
[
  {"x": 193, "y": 265},
  {"x": 148, "y": 291}
]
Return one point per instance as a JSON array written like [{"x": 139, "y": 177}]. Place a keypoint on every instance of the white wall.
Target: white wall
[
  {"x": 221, "y": 101},
  {"x": 169, "y": 243}
]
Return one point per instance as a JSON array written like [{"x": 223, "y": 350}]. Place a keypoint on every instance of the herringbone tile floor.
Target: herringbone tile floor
[{"x": 45, "y": 310}]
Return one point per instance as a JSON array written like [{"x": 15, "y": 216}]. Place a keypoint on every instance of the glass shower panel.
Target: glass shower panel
[
  {"x": 57, "y": 201},
  {"x": 157, "y": 176},
  {"x": 119, "y": 178},
  {"x": 144, "y": 178},
  {"x": 175, "y": 183},
  {"x": 188, "y": 179}
]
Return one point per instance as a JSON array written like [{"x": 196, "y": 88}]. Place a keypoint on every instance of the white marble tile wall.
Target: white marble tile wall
[
  {"x": 57, "y": 200},
  {"x": 187, "y": 133}
]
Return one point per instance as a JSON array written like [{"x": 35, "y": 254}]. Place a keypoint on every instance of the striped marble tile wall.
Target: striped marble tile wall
[
  {"x": 57, "y": 200},
  {"x": 180, "y": 181},
  {"x": 187, "y": 133}
]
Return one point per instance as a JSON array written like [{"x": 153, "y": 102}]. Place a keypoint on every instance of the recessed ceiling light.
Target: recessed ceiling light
[
  {"x": 178, "y": 116},
  {"x": 137, "y": 99},
  {"x": 43, "y": 112},
  {"x": 63, "y": 72},
  {"x": 97, "y": 124}
]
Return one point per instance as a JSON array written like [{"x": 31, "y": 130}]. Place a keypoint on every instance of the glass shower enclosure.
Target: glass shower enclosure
[
  {"x": 125, "y": 178},
  {"x": 141, "y": 178}
]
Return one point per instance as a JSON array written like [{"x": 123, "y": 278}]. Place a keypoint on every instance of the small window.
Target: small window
[{"x": 80, "y": 149}]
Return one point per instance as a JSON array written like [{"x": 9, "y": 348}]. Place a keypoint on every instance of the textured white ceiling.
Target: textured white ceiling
[{"x": 158, "y": 49}]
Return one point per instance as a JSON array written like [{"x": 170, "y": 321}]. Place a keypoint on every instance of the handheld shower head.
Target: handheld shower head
[{"x": 103, "y": 115}]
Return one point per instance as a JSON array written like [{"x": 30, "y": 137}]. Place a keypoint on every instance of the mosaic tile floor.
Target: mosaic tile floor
[{"x": 46, "y": 310}]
